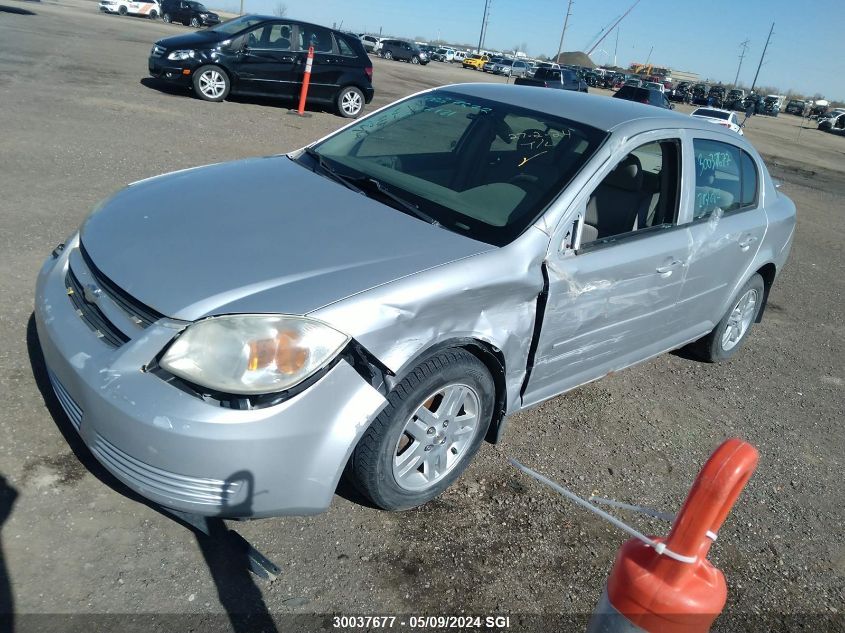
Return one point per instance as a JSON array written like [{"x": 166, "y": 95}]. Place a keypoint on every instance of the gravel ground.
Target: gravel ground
[{"x": 79, "y": 121}]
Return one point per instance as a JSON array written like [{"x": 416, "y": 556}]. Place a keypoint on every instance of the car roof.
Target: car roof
[{"x": 593, "y": 110}]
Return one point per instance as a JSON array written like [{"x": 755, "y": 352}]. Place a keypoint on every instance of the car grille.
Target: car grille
[
  {"x": 91, "y": 314},
  {"x": 140, "y": 314},
  {"x": 212, "y": 492},
  {"x": 158, "y": 51},
  {"x": 73, "y": 411}
]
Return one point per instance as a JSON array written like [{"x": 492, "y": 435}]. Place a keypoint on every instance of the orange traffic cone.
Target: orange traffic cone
[{"x": 670, "y": 586}]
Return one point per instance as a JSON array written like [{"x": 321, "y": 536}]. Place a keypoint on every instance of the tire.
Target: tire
[
  {"x": 388, "y": 55},
  {"x": 153, "y": 14},
  {"x": 211, "y": 83},
  {"x": 349, "y": 102},
  {"x": 195, "y": 23},
  {"x": 166, "y": 18},
  {"x": 395, "y": 464},
  {"x": 415, "y": 60},
  {"x": 730, "y": 333},
  {"x": 121, "y": 10}
]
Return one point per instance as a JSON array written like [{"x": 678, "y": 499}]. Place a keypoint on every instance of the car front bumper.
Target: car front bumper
[
  {"x": 171, "y": 71},
  {"x": 185, "y": 453}
]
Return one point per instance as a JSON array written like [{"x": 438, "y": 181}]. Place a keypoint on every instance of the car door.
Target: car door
[
  {"x": 614, "y": 270},
  {"x": 726, "y": 226},
  {"x": 327, "y": 67},
  {"x": 265, "y": 62}
]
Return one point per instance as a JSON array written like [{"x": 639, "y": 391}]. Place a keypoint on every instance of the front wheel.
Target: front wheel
[
  {"x": 428, "y": 433},
  {"x": 121, "y": 10},
  {"x": 166, "y": 18},
  {"x": 729, "y": 334},
  {"x": 195, "y": 23},
  {"x": 153, "y": 14},
  {"x": 415, "y": 60},
  {"x": 211, "y": 83},
  {"x": 350, "y": 102}
]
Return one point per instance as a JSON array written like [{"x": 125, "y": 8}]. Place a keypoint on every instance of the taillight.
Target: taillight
[{"x": 369, "y": 71}]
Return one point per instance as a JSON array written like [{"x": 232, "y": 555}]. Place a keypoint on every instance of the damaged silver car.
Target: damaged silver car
[{"x": 379, "y": 302}]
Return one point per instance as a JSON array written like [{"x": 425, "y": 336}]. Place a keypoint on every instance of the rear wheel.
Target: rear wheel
[
  {"x": 730, "y": 333},
  {"x": 428, "y": 433},
  {"x": 153, "y": 14},
  {"x": 211, "y": 83},
  {"x": 121, "y": 10},
  {"x": 350, "y": 102},
  {"x": 166, "y": 17}
]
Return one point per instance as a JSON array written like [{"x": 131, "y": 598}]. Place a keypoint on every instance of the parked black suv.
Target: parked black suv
[
  {"x": 796, "y": 106},
  {"x": 188, "y": 12},
  {"x": 403, "y": 51},
  {"x": 648, "y": 96},
  {"x": 260, "y": 55}
]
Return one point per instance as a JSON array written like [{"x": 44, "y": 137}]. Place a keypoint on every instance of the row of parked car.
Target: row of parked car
[{"x": 187, "y": 12}]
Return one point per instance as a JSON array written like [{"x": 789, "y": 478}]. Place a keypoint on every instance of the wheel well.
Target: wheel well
[
  {"x": 768, "y": 273},
  {"x": 495, "y": 362}
]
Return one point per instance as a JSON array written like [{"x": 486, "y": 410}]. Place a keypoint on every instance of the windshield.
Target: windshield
[
  {"x": 237, "y": 25},
  {"x": 713, "y": 114},
  {"x": 480, "y": 168}
]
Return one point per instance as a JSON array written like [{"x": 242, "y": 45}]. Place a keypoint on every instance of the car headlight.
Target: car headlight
[
  {"x": 252, "y": 354},
  {"x": 178, "y": 56}
]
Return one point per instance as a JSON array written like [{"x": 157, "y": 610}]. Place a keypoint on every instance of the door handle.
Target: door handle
[
  {"x": 747, "y": 242},
  {"x": 666, "y": 270}
]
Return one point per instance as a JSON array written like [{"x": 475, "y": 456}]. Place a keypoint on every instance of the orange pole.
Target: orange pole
[{"x": 306, "y": 80}]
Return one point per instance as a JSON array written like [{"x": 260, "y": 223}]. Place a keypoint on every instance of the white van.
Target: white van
[{"x": 459, "y": 57}]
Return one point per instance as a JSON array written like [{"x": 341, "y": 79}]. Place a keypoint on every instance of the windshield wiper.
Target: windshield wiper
[
  {"x": 413, "y": 209},
  {"x": 365, "y": 184},
  {"x": 330, "y": 172}
]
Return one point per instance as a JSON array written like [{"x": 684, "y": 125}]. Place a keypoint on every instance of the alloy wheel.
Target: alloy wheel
[
  {"x": 212, "y": 84},
  {"x": 351, "y": 103},
  {"x": 742, "y": 315},
  {"x": 436, "y": 437}
]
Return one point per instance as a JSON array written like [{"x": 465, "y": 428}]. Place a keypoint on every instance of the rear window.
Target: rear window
[
  {"x": 713, "y": 114},
  {"x": 344, "y": 46}
]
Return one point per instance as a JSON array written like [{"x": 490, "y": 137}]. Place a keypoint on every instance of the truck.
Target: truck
[{"x": 560, "y": 78}]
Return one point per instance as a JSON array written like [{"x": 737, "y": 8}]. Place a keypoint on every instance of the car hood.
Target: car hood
[
  {"x": 259, "y": 235},
  {"x": 197, "y": 39}
]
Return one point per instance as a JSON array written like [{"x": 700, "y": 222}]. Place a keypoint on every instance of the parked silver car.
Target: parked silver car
[{"x": 229, "y": 339}]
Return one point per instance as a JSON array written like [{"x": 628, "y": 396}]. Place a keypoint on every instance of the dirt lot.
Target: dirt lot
[{"x": 78, "y": 120}]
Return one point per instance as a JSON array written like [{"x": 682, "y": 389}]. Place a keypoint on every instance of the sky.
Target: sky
[{"x": 701, "y": 36}]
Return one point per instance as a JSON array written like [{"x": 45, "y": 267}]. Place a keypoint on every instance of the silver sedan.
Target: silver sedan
[{"x": 230, "y": 340}]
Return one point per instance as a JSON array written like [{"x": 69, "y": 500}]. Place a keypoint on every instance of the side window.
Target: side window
[
  {"x": 640, "y": 193},
  {"x": 725, "y": 178},
  {"x": 257, "y": 38},
  {"x": 344, "y": 48},
  {"x": 279, "y": 37},
  {"x": 748, "y": 168},
  {"x": 318, "y": 37}
]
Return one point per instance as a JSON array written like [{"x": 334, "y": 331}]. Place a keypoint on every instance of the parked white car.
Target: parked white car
[
  {"x": 149, "y": 8},
  {"x": 459, "y": 57},
  {"x": 371, "y": 42},
  {"x": 725, "y": 118},
  {"x": 443, "y": 55}
]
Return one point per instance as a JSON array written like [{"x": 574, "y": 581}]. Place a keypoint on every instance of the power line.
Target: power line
[
  {"x": 754, "y": 83},
  {"x": 744, "y": 46},
  {"x": 563, "y": 32}
]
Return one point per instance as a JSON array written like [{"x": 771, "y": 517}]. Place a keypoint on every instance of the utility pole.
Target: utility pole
[
  {"x": 744, "y": 46},
  {"x": 483, "y": 26},
  {"x": 242, "y": 7},
  {"x": 563, "y": 32},
  {"x": 615, "y": 50},
  {"x": 754, "y": 83}
]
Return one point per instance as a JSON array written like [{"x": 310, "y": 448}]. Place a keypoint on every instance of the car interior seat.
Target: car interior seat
[{"x": 614, "y": 205}]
